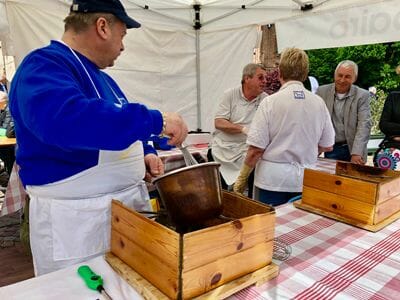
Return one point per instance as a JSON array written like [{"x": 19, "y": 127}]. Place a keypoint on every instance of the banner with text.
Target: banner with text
[{"x": 369, "y": 24}]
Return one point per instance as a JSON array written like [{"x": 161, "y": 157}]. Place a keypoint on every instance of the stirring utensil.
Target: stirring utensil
[
  {"x": 187, "y": 156},
  {"x": 281, "y": 250}
]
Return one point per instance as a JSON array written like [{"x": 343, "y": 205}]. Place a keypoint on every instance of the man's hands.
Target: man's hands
[
  {"x": 175, "y": 128},
  {"x": 357, "y": 159},
  {"x": 154, "y": 166}
]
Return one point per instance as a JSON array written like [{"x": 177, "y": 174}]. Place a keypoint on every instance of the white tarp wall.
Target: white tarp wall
[
  {"x": 3, "y": 21},
  {"x": 158, "y": 66},
  {"x": 374, "y": 23}
]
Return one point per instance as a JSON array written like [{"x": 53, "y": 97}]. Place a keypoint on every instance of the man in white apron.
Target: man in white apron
[
  {"x": 79, "y": 139},
  {"x": 232, "y": 121}
]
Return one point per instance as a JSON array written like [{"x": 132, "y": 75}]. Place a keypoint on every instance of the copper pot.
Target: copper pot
[{"x": 191, "y": 194}]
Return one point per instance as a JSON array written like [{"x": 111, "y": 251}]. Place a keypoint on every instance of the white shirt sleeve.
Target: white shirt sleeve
[
  {"x": 258, "y": 135},
  {"x": 328, "y": 133},
  {"x": 224, "y": 107}
]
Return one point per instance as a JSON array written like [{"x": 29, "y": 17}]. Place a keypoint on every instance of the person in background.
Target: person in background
[
  {"x": 7, "y": 153},
  {"x": 387, "y": 154},
  {"x": 289, "y": 130},
  {"x": 7, "y": 122},
  {"x": 349, "y": 107},
  {"x": 389, "y": 123},
  {"x": 3, "y": 84},
  {"x": 235, "y": 112},
  {"x": 79, "y": 138},
  {"x": 372, "y": 92},
  {"x": 3, "y": 101},
  {"x": 313, "y": 84}
]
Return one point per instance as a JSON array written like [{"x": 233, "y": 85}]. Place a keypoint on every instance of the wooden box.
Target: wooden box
[
  {"x": 183, "y": 266},
  {"x": 363, "y": 196}
]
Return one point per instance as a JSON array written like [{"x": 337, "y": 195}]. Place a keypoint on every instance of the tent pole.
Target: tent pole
[
  {"x": 198, "y": 80},
  {"x": 197, "y": 25}
]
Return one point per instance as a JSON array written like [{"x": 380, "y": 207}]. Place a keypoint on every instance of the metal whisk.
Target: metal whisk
[
  {"x": 281, "y": 250},
  {"x": 187, "y": 156}
]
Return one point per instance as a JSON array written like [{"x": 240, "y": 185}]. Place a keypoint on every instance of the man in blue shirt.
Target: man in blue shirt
[{"x": 79, "y": 139}]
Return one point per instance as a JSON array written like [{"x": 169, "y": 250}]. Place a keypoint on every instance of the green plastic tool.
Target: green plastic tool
[{"x": 92, "y": 280}]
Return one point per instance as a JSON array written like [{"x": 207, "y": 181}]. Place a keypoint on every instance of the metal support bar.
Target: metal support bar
[
  {"x": 235, "y": 11},
  {"x": 198, "y": 90},
  {"x": 157, "y": 11}
]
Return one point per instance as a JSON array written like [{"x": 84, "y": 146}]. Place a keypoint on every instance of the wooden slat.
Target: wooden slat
[
  {"x": 139, "y": 283},
  {"x": 347, "y": 187},
  {"x": 210, "y": 244},
  {"x": 159, "y": 240},
  {"x": 146, "y": 246},
  {"x": 150, "y": 292},
  {"x": 202, "y": 279},
  {"x": 365, "y": 172},
  {"x": 164, "y": 277},
  {"x": 258, "y": 277},
  {"x": 239, "y": 206},
  {"x": 387, "y": 209},
  {"x": 338, "y": 204},
  {"x": 373, "y": 228},
  {"x": 388, "y": 190}
]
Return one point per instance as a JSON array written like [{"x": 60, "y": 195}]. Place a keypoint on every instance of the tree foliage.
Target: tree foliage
[
  {"x": 273, "y": 84},
  {"x": 377, "y": 103},
  {"x": 376, "y": 67},
  {"x": 377, "y": 64}
]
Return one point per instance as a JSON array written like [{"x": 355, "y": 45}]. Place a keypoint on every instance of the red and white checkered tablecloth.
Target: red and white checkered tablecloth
[
  {"x": 15, "y": 194},
  {"x": 332, "y": 260},
  {"x": 326, "y": 165}
]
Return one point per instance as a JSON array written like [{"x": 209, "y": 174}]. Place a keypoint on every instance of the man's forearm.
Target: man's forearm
[
  {"x": 253, "y": 155},
  {"x": 324, "y": 149},
  {"x": 228, "y": 127}
]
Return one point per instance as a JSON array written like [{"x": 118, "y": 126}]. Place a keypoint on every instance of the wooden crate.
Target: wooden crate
[
  {"x": 183, "y": 266},
  {"x": 363, "y": 196}
]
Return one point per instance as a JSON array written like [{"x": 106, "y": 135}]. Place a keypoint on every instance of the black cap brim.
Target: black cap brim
[{"x": 129, "y": 22}]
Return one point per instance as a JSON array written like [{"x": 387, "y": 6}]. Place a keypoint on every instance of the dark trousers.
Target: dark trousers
[
  {"x": 274, "y": 198},
  {"x": 224, "y": 185},
  {"x": 340, "y": 152}
]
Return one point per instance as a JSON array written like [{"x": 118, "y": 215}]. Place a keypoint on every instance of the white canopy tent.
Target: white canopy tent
[{"x": 188, "y": 52}]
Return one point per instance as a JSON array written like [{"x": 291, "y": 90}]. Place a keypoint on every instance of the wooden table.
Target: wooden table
[
  {"x": 6, "y": 142},
  {"x": 7, "y": 152}
]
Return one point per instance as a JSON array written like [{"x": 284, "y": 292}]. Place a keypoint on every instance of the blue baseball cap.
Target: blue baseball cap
[{"x": 107, "y": 6}]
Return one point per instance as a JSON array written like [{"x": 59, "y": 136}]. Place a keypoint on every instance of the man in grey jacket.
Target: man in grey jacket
[{"x": 349, "y": 108}]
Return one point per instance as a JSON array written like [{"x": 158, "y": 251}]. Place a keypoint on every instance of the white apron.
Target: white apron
[
  {"x": 70, "y": 219},
  {"x": 231, "y": 157},
  {"x": 280, "y": 176}
]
